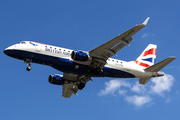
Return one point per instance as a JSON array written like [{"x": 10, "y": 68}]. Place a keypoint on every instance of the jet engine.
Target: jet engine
[
  {"x": 80, "y": 56},
  {"x": 56, "y": 79}
]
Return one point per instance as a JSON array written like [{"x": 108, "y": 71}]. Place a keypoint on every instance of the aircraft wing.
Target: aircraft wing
[
  {"x": 70, "y": 85},
  {"x": 110, "y": 48},
  {"x": 68, "y": 89}
]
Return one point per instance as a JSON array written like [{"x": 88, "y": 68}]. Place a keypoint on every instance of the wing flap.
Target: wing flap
[
  {"x": 68, "y": 89},
  {"x": 71, "y": 83},
  {"x": 120, "y": 46}
]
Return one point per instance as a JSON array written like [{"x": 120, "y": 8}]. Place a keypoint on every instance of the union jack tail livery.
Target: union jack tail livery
[{"x": 147, "y": 57}]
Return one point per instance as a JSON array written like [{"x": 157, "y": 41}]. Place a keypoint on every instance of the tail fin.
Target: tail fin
[{"x": 147, "y": 57}]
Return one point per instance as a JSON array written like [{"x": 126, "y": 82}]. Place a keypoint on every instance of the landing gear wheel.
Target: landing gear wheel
[
  {"x": 28, "y": 68},
  {"x": 81, "y": 86},
  {"x": 97, "y": 70}
]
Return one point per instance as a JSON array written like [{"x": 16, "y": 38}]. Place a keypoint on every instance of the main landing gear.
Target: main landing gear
[
  {"x": 97, "y": 70},
  {"x": 81, "y": 86},
  {"x": 82, "y": 80},
  {"x": 94, "y": 69},
  {"x": 29, "y": 65}
]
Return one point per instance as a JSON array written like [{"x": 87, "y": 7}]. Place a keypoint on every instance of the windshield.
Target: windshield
[{"x": 23, "y": 42}]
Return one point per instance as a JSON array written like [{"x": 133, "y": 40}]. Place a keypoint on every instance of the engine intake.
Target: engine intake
[
  {"x": 80, "y": 56},
  {"x": 56, "y": 79}
]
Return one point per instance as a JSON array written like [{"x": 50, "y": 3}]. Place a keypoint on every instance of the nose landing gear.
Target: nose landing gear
[
  {"x": 28, "y": 68},
  {"x": 29, "y": 65}
]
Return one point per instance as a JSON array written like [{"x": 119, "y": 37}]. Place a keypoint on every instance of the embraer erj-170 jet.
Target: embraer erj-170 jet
[{"x": 79, "y": 66}]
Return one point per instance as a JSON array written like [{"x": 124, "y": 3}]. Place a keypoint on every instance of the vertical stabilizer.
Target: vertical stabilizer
[{"x": 147, "y": 57}]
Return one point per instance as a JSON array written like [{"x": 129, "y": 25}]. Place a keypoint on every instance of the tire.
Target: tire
[
  {"x": 97, "y": 70},
  {"x": 28, "y": 68},
  {"x": 81, "y": 86}
]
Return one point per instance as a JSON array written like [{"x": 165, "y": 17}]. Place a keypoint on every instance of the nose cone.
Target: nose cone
[{"x": 8, "y": 51}]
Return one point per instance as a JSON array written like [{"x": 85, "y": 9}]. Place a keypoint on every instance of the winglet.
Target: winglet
[{"x": 146, "y": 21}]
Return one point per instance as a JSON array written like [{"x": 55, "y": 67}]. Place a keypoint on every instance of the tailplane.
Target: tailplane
[
  {"x": 155, "y": 68},
  {"x": 158, "y": 66},
  {"x": 147, "y": 57}
]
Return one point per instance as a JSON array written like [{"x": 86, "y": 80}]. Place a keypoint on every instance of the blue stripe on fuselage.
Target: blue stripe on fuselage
[{"x": 65, "y": 65}]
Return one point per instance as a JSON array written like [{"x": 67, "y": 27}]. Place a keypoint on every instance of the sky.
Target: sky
[{"x": 84, "y": 25}]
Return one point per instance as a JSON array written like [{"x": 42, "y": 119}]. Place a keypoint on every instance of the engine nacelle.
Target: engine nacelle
[
  {"x": 56, "y": 79},
  {"x": 80, "y": 56}
]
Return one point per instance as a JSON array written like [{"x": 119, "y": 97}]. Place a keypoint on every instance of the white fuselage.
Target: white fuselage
[{"x": 60, "y": 59}]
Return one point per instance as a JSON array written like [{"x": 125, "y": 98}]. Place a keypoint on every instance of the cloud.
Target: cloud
[
  {"x": 122, "y": 92},
  {"x": 168, "y": 100},
  {"x": 112, "y": 86},
  {"x": 138, "y": 88},
  {"x": 177, "y": 94},
  {"x": 162, "y": 84},
  {"x": 138, "y": 94},
  {"x": 145, "y": 35},
  {"x": 138, "y": 100}
]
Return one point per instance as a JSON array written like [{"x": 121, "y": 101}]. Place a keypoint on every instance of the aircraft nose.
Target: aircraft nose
[
  {"x": 5, "y": 52},
  {"x": 9, "y": 50}
]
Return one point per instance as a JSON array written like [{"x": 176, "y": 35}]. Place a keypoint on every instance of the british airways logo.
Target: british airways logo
[{"x": 57, "y": 51}]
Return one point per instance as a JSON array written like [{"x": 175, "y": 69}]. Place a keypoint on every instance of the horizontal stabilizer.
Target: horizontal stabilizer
[
  {"x": 144, "y": 80},
  {"x": 158, "y": 66}
]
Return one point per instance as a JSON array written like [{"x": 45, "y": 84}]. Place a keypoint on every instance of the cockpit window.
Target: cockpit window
[{"x": 22, "y": 42}]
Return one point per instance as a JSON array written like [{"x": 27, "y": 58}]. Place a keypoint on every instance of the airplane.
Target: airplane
[{"x": 79, "y": 66}]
